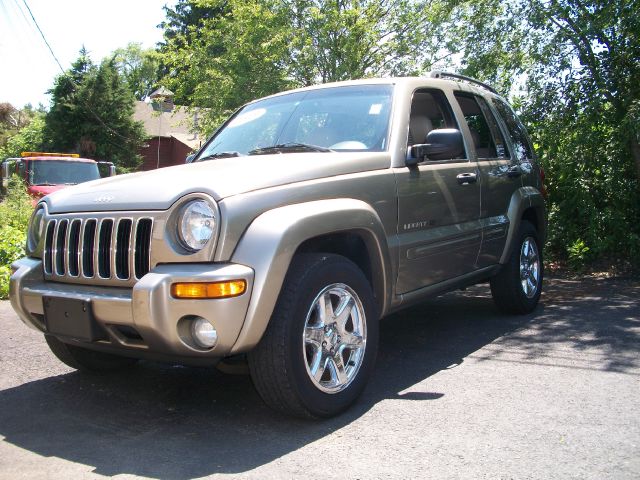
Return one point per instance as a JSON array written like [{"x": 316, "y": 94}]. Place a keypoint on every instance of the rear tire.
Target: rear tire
[
  {"x": 318, "y": 351},
  {"x": 86, "y": 360},
  {"x": 517, "y": 287}
]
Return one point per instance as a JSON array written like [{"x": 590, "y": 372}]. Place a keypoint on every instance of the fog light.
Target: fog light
[{"x": 203, "y": 333}]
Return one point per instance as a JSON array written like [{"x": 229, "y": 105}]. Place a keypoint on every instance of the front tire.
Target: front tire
[
  {"x": 517, "y": 287},
  {"x": 86, "y": 360},
  {"x": 318, "y": 351}
]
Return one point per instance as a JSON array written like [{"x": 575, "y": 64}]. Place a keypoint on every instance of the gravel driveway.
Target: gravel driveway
[{"x": 459, "y": 391}]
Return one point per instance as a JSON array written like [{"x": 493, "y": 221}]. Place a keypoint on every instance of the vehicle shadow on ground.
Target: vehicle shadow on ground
[{"x": 172, "y": 422}]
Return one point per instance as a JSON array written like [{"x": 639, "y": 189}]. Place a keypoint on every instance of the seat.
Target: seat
[
  {"x": 481, "y": 151},
  {"x": 419, "y": 126}
]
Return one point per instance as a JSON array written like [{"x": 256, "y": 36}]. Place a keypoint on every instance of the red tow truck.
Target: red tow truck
[{"x": 45, "y": 172}]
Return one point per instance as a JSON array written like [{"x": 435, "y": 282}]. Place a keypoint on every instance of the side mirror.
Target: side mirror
[
  {"x": 440, "y": 144},
  {"x": 110, "y": 166},
  {"x": 6, "y": 173},
  {"x": 190, "y": 158}
]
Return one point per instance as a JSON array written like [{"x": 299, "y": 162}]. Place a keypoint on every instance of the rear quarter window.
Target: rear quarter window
[{"x": 521, "y": 145}]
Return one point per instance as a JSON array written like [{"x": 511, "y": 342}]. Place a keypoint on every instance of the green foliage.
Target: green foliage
[
  {"x": 5, "y": 273},
  {"x": 577, "y": 255},
  {"x": 242, "y": 50},
  {"x": 12, "y": 241},
  {"x": 92, "y": 114},
  {"x": 140, "y": 68},
  {"x": 15, "y": 211},
  {"x": 572, "y": 66},
  {"x": 27, "y": 139}
]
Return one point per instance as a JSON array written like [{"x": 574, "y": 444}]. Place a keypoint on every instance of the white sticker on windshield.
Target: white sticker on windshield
[
  {"x": 375, "y": 109},
  {"x": 247, "y": 117}
]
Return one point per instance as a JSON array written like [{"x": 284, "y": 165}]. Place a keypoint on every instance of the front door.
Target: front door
[{"x": 438, "y": 205}]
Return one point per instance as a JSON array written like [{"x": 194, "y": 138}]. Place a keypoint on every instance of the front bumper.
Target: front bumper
[{"x": 145, "y": 320}]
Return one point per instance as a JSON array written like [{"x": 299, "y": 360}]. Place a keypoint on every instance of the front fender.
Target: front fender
[{"x": 271, "y": 241}]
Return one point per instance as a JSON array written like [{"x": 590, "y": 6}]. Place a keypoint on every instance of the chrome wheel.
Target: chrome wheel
[
  {"x": 529, "y": 267},
  {"x": 334, "y": 338}
]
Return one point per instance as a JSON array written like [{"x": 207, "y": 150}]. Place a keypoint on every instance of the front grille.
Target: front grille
[{"x": 108, "y": 250}]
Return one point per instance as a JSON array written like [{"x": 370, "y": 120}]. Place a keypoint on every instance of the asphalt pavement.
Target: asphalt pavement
[{"x": 459, "y": 391}]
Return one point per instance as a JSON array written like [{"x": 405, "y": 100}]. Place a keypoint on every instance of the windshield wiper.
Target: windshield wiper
[
  {"x": 289, "y": 147},
  {"x": 218, "y": 155}
]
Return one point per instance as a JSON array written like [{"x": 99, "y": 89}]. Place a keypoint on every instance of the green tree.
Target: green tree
[
  {"x": 180, "y": 36},
  {"x": 229, "y": 59},
  {"x": 29, "y": 138},
  {"x": 139, "y": 67},
  {"x": 571, "y": 65},
  {"x": 246, "y": 49},
  {"x": 346, "y": 39},
  {"x": 92, "y": 114}
]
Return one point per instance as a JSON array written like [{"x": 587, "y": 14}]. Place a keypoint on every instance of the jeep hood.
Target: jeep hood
[{"x": 220, "y": 178}]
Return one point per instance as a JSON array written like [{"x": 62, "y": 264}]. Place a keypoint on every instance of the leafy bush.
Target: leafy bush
[
  {"x": 578, "y": 253},
  {"x": 5, "y": 273},
  {"x": 15, "y": 211}
]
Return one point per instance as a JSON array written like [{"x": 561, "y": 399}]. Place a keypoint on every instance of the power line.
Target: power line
[{"x": 43, "y": 37}]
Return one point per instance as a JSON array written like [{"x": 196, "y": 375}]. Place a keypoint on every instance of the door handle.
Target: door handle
[
  {"x": 467, "y": 178},
  {"x": 514, "y": 172}
]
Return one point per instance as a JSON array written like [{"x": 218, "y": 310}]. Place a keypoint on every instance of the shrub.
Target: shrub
[{"x": 15, "y": 211}]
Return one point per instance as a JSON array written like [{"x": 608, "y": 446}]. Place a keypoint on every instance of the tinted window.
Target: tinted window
[
  {"x": 487, "y": 137},
  {"x": 517, "y": 131}
]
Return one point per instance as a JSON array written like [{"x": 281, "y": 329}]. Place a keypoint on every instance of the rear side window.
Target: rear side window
[
  {"x": 517, "y": 131},
  {"x": 487, "y": 137}
]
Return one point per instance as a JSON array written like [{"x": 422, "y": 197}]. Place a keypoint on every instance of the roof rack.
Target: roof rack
[{"x": 438, "y": 74}]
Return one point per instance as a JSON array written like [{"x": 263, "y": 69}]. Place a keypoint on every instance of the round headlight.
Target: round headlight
[
  {"x": 36, "y": 227},
  {"x": 196, "y": 224}
]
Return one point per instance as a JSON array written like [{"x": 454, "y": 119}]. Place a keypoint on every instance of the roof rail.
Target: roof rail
[{"x": 439, "y": 74}]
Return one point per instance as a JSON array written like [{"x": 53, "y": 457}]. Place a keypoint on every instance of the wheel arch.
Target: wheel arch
[
  {"x": 527, "y": 203},
  {"x": 359, "y": 246},
  {"x": 341, "y": 226}
]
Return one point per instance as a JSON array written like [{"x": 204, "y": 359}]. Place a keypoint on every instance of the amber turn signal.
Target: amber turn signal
[{"x": 200, "y": 290}]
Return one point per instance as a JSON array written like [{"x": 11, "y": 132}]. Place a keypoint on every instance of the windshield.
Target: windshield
[
  {"x": 60, "y": 172},
  {"x": 350, "y": 118}
]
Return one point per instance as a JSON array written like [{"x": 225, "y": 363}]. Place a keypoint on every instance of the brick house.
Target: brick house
[{"x": 170, "y": 131}]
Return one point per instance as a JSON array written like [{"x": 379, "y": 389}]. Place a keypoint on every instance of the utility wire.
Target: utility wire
[{"x": 43, "y": 37}]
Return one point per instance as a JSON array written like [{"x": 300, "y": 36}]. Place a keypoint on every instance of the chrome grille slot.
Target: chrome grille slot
[
  {"x": 88, "y": 240},
  {"x": 73, "y": 240},
  {"x": 96, "y": 249},
  {"x": 142, "y": 247},
  {"x": 123, "y": 241},
  {"x": 48, "y": 249},
  {"x": 104, "y": 248},
  {"x": 60, "y": 245}
]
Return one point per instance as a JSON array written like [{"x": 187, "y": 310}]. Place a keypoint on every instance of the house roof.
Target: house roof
[
  {"x": 177, "y": 123},
  {"x": 189, "y": 139}
]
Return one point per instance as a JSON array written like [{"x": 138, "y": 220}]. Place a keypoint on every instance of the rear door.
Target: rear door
[
  {"x": 500, "y": 174},
  {"x": 438, "y": 204}
]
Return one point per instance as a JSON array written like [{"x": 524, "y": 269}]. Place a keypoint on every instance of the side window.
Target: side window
[
  {"x": 502, "y": 151},
  {"x": 430, "y": 110},
  {"x": 487, "y": 138},
  {"x": 517, "y": 131}
]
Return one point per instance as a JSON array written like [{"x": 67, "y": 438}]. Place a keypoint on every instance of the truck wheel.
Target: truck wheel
[
  {"x": 87, "y": 360},
  {"x": 517, "y": 288},
  {"x": 320, "y": 346}
]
